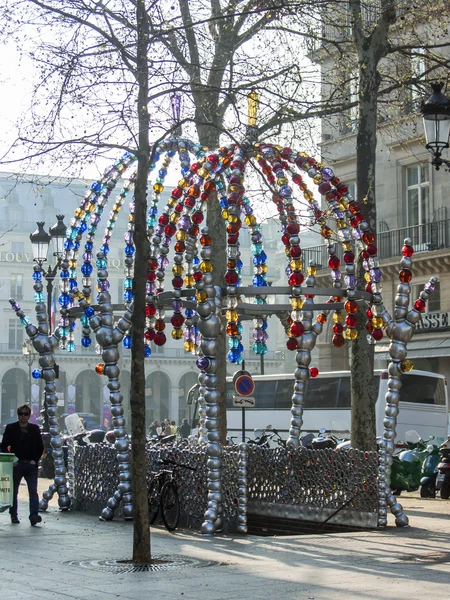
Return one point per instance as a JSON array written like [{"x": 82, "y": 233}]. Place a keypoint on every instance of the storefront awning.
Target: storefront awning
[{"x": 418, "y": 349}]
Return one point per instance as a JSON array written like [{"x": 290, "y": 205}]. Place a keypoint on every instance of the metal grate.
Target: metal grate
[{"x": 172, "y": 562}]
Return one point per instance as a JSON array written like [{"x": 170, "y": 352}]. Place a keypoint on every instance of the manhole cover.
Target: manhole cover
[
  {"x": 433, "y": 557},
  {"x": 160, "y": 563}
]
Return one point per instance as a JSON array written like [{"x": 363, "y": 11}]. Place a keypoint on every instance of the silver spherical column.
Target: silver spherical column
[
  {"x": 303, "y": 357},
  {"x": 242, "y": 489}
]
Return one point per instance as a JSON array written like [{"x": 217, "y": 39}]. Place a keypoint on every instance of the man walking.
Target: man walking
[{"x": 24, "y": 440}]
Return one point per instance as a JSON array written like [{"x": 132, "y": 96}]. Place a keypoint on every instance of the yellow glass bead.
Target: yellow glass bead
[
  {"x": 377, "y": 322},
  {"x": 351, "y": 334},
  {"x": 317, "y": 178},
  {"x": 158, "y": 188},
  {"x": 296, "y": 264},
  {"x": 225, "y": 214},
  {"x": 174, "y": 217},
  {"x": 90, "y": 208},
  {"x": 234, "y": 187},
  {"x": 206, "y": 267},
  {"x": 203, "y": 172},
  {"x": 117, "y": 206},
  {"x": 183, "y": 183},
  {"x": 338, "y": 317},
  {"x": 406, "y": 365},
  {"x": 250, "y": 220},
  {"x": 303, "y": 155},
  {"x": 79, "y": 212},
  {"x": 79, "y": 295},
  {"x": 177, "y": 334},
  {"x": 231, "y": 315},
  {"x": 367, "y": 277},
  {"x": 181, "y": 235},
  {"x": 171, "y": 202},
  {"x": 202, "y": 296},
  {"x": 189, "y": 280},
  {"x": 233, "y": 218},
  {"x": 282, "y": 181},
  {"x": 287, "y": 251},
  {"x": 347, "y": 247},
  {"x": 131, "y": 218},
  {"x": 177, "y": 269},
  {"x": 308, "y": 194},
  {"x": 343, "y": 204},
  {"x": 72, "y": 264},
  {"x": 312, "y": 270},
  {"x": 264, "y": 268},
  {"x": 341, "y": 224},
  {"x": 189, "y": 346},
  {"x": 297, "y": 303}
]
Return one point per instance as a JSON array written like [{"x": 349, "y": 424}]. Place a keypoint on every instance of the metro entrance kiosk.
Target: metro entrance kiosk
[{"x": 244, "y": 386}]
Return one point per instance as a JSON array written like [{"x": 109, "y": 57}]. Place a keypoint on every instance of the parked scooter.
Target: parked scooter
[
  {"x": 429, "y": 472},
  {"x": 408, "y": 466},
  {"x": 443, "y": 471}
]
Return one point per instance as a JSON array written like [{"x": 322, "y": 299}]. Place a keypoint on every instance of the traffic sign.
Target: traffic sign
[
  {"x": 243, "y": 383},
  {"x": 244, "y": 401}
]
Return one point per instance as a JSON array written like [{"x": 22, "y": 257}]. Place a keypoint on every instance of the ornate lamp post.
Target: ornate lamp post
[
  {"x": 29, "y": 356},
  {"x": 436, "y": 120},
  {"x": 40, "y": 241}
]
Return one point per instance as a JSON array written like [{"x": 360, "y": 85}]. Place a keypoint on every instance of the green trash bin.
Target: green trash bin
[{"x": 6, "y": 480}]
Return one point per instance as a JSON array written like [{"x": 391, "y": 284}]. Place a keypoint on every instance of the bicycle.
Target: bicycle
[{"x": 163, "y": 494}]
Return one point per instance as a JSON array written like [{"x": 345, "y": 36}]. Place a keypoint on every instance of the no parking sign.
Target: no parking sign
[{"x": 243, "y": 383}]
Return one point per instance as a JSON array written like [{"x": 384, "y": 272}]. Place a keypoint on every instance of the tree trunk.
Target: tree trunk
[{"x": 141, "y": 529}]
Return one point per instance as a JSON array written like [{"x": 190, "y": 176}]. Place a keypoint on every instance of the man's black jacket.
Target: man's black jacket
[{"x": 26, "y": 446}]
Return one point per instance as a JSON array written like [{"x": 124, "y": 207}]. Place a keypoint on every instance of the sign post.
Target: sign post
[{"x": 244, "y": 386}]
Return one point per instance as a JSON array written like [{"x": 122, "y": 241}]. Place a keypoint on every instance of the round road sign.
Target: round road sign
[{"x": 244, "y": 384}]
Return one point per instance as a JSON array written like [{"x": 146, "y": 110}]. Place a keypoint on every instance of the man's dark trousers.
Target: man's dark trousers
[{"x": 30, "y": 473}]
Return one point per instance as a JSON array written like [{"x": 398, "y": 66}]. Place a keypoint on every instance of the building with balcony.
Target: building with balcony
[
  {"x": 412, "y": 199},
  {"x": 170, "y": 371}
]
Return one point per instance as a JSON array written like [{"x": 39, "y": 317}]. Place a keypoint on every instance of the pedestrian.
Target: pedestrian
[
  {"x": 153, "y": 429},
  {"x": 173, "y": 427},
  {"x": 185, "y": 429},
  {"x": 167, "y": 428},
  {"x": 23, "y": 439}
]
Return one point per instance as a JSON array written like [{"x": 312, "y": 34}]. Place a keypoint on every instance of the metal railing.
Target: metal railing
[{"x": 424, "y": 238}]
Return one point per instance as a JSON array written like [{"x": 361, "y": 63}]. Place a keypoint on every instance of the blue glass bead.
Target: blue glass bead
[
  {"x": 84, "y": 320},
  {"x": 196, "y": 260},
  {"x": 89, "y": 312},
  {"x": 68, "y": 245},
  {"x": 87, "y": 269},
  {"x": 233, "y": 342},
  {"x": 156, "y": 156},
  {"x": 39, "y": 297},
  {"x": 171, "y": 153},
  {"x": 129, "y": 250},
  {"x": 147, "y": 351},
  {"x": 128, "y": 296},
  {"x": 189, "y": 312},
  {"x": 25, "y": 321},
  {"x": 71, "y": 347},
  {"x": 37, "y": 276},
  {"x": 105, "y": 249},
  {"x": 64, "y": 299},
  {"x": 97, "y": 187},
  {"x": 89, "y": 246},
  {"x": 128, "y": 282},
  {"x": 233, "y": 355},
  {"x": 127, "y": 341},
  {"x": 264, "y": 325},
  {"x": 224, "y": 203},
  {"x": 86, "y": 342},
  {"x": 239, "y": 264},
  {"x": 258, "y": 281},
  {"x": 36, "y": 373},
  {"x": 93, "y": 229},
  {"x": 239, "y": 360},
  {"x": 76, "y": 246},
  {"x": 259, "y": 259},
  {"x": 72, "y": 326},
  {"x": 72, "y": 284},
  {"x": 101, "y": 263},
  {"x": 240, "y": 348},
  {"x": 82, "y": 227}
]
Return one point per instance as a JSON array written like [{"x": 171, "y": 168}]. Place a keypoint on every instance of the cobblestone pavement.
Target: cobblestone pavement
[{"x": 74, "y": 556}]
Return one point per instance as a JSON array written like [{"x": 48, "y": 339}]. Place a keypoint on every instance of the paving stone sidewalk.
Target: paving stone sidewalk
[{"x": 73, "y": 556}]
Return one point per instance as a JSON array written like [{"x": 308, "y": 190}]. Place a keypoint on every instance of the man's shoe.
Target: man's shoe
[
  {"x": 15, "y": 520},
  {"x": 35, "y": 519}
]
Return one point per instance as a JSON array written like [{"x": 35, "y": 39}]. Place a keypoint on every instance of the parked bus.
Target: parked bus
[{"x": 423, "y": 403}]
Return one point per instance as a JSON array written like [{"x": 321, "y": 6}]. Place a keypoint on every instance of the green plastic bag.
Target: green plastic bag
[{"x": 6, "y": 480}]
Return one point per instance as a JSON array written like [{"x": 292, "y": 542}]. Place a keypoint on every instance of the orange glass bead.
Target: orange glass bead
[
  {"x": 351, "y": 306},
  {"x": 405, "y": 275},
  {"x": 99, "y": 368}
]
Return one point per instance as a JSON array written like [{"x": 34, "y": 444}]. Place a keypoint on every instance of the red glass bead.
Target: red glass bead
[
  {"x": 150, "y": 310},
  {"x": 178, "y": 208},
  {"x": 234, "y": 227},
  {"x": 334, "y": 262},
  {"x": 354, "y": 208},
  {"x": 368, "y": 237},
  {"x": 419, "y": 305},
  {"x": 324, "y": 187},
  {"x": 286, "y": 152},
  {"x": 235, "y": 179},
  {"x": 297, "y": 329},
  {"x": 356, "y": 220},
  {"x": 204, "y": 196},
  {"x": 338, "y": 328},
  {"x": 296, "y": 251},
  {"x": 342, "y": 188},
  {"x": 369, "y": 326},
  {"x": 313, "y": 371},
  {"x": 377, "y": 334},
  {"x": 297, "y": 178},
  {"x": 407, "y": 250},
  {"x": 300, "y": 161},
  {"x": 190, "y": 202},
  {"x": 231, "y": 277},
  {"x": 293, "y": 228},
  {"x": 195, "y": 167},
  {"x": 351, "y": 320},
  {"x": 160, "y": 325},
  {"x": 285, "y": 239},
  {"x": 205, "y": 240},
  {"x": 338, "y": 341},
  {"x": 160, "y": 338},
  {"x": 365, "y": 254},
  {"x": 292, "y": 344},
  {"x": 177, "y": 282},
  {"x": 151, "y": 276},
  {"x": 369, "y": 314},
  {"x": 296, "y": 278},
  {"x": 198, "y": 276},
  {"x": 170, "y": 229},
  {"x": 197, "y": 217},
  {"x": 233, "y": 239},
  {"x": 368, "y": 288},
  {"x": 193, "y": 230},
  {"x": 152, "y": 264},
  {"x": 163, "y": 219},
  {"x": 151, "y": 334},
  {"x": 209, "y": 187},
  {"x": 177, "y": 319},
  {"x": 349, "y": 258},
  {"x": 180, "y": 246},
  {"x": 177, "y": 193},
  {"x": 372, "y": 249}
]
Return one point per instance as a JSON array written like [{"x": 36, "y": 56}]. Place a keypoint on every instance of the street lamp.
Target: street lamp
[
  {"x": 40, "y": 241},
  {"x": 175, "y": 101},
  {"x": 436, "y": 121},
  {"x": 29, "y": 356}
]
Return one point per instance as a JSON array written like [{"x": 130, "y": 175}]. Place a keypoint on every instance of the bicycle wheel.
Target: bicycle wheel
[
  {"x": 170, "y": 505},
  {"x": 153, "y": 502}
]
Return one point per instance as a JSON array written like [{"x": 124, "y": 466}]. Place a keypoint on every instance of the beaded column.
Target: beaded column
[
  {"x": 209, "y": 327},
  {"x": 242, "y": 489}
]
